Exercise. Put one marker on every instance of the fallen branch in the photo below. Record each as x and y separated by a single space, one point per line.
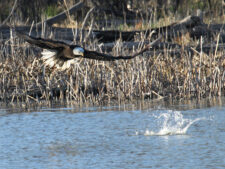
62 15
131 45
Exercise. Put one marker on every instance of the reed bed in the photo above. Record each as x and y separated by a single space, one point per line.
23 77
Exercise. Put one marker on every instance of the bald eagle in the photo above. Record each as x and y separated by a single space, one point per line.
60 54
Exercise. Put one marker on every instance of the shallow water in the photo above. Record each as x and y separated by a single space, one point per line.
155 135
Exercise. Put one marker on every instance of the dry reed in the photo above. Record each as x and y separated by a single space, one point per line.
24 77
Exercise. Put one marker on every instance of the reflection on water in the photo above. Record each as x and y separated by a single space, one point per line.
135 105
134 135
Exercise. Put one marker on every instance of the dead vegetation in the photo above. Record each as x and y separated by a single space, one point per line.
159 75
188 63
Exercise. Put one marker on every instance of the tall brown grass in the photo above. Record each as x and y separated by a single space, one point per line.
24 77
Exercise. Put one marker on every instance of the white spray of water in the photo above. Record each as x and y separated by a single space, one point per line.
171 123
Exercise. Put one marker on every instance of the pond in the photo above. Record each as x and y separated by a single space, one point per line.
147 134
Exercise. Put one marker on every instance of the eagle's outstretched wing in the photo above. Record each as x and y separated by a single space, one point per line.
42 43
106 57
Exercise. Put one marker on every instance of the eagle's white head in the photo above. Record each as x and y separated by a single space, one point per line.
79 51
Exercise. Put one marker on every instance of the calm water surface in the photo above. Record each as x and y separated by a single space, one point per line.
142 135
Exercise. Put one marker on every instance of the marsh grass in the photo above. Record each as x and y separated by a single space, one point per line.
23 77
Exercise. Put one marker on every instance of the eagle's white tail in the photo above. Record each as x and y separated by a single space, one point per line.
47 54
50 59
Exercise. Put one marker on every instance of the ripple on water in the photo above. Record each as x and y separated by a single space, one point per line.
67 138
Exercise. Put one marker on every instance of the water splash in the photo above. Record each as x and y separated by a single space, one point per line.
171 123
